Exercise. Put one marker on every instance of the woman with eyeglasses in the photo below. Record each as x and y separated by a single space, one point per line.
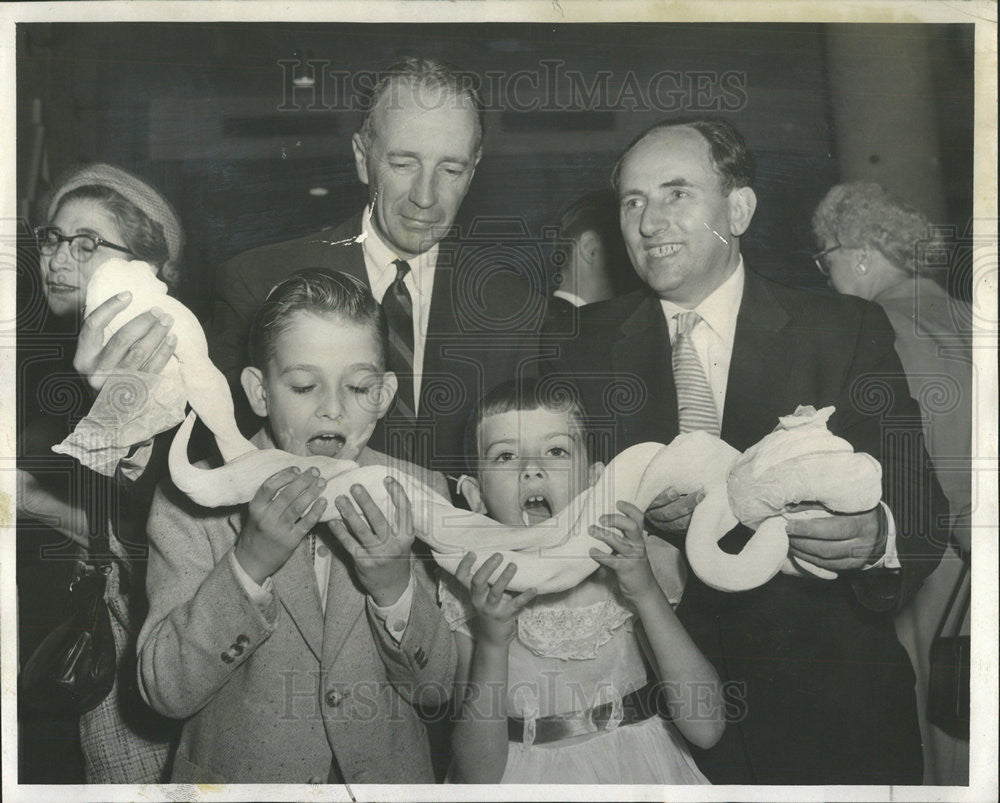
97 213
879 248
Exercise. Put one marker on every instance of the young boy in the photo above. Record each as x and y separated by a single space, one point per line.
297 656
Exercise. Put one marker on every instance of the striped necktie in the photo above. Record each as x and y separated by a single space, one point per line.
398 306
695 403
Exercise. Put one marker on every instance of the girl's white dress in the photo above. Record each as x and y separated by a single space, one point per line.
576 650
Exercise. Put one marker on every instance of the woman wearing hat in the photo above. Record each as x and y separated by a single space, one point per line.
97 213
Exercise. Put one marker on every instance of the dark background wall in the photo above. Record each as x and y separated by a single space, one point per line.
204 111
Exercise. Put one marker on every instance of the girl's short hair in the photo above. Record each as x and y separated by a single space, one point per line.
143 236
321 292
523 395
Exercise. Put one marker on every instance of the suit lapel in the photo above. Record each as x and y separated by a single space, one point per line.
760 363
442 325
295 584
344 605
347 258
643 355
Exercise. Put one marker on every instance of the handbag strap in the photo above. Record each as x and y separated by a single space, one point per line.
99 506
959 586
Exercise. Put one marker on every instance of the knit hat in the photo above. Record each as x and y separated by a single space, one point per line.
138 192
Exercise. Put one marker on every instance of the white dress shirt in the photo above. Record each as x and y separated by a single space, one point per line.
713 339
393 617
572 298
379 259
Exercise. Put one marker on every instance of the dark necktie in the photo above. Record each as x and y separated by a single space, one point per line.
398 306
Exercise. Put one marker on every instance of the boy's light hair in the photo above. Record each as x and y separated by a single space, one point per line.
521 395
321 292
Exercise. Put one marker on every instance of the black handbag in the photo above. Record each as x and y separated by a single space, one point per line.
948 687
73 669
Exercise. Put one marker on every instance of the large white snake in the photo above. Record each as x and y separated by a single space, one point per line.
801 461
205 388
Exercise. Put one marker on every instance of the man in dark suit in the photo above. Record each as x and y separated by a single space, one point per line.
595 250
590 264
820 690
459 324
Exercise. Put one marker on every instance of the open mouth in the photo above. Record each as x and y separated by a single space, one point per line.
327 444
536 508
55 287
666 250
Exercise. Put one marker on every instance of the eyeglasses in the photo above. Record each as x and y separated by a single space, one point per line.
820 259
81 246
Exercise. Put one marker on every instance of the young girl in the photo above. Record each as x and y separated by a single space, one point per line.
295 653
557 690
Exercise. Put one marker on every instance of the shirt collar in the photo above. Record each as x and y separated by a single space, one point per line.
572 298
381 256
720 309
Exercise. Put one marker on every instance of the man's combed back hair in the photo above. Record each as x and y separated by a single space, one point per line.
863 213
598 212
731 158
320 292
421 74
522 395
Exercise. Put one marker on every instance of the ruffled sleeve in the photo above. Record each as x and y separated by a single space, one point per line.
455 604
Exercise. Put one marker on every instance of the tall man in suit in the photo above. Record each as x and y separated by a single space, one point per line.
459 323
821 691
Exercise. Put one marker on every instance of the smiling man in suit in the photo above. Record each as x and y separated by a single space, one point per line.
821 690
459 324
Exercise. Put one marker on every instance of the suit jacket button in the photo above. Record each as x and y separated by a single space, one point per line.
227 657
242 640
334 698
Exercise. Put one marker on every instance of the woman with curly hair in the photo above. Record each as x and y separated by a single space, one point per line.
873 246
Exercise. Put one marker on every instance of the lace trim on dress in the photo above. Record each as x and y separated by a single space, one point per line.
548 629
570 633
